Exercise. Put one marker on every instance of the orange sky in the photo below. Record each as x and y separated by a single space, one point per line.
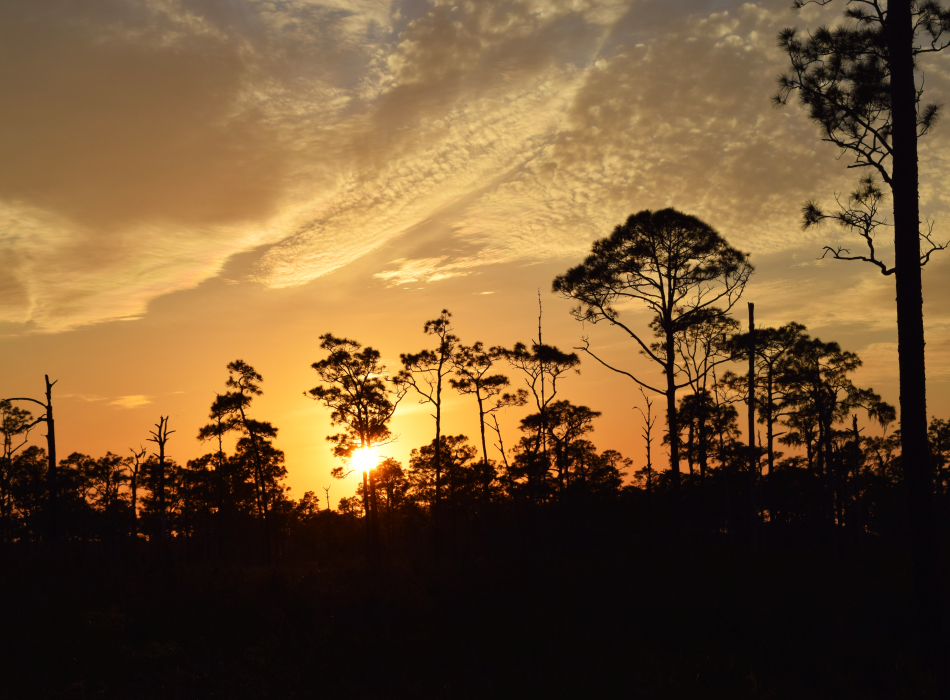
188 183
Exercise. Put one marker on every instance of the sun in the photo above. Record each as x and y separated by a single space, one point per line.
364 458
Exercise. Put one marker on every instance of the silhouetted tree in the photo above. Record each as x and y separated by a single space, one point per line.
473 365
160 438
229 413
350 505
567 424
772 346
700 348
676 265
858 82
815 379
506 400
939 435
135 466
461 480
52 514
28 491
647 474
353 388
425 372
107 478
223 420
15 426
542 366
393 485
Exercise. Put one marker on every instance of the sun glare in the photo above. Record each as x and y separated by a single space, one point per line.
364 458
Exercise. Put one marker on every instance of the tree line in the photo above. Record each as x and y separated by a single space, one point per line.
822 458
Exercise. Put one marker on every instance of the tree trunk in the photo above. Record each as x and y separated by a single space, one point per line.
690 437
857 481
135 518
703 442
437 505
161 492
671 419
918 477
486 486
770 487
367 518
4 490
830 479
753 457
51 485
374 509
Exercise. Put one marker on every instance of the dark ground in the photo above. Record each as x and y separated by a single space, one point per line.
703 622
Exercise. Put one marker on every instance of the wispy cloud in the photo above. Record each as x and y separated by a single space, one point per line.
131 401
91 398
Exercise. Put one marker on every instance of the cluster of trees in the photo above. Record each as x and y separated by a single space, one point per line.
220 502
814 470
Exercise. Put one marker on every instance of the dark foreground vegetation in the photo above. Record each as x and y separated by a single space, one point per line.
615 618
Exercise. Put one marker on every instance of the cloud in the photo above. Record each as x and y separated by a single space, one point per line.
132 401
91 398
147 143
424 270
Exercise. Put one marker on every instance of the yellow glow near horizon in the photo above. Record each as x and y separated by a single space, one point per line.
364 459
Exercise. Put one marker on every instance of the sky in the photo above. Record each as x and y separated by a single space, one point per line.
188 182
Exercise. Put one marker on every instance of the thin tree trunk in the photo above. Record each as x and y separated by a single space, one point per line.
367 517
690 436
671 420
437 506
161 492
135 516
374 508
51 484
753 457
703 442
857 480
481 424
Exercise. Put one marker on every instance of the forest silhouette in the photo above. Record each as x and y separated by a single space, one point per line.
801 554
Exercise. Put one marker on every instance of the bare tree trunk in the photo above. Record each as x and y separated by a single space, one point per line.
160 438
374 509
486 485
703 441
830 479
856 460
366 514
437 506
648 435
770 486
690 437
134 485
5 501
51 485
753 457
504 457
671 420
